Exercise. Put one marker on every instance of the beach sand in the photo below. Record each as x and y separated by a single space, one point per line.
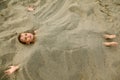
69 44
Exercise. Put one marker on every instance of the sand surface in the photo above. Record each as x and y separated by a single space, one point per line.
69 43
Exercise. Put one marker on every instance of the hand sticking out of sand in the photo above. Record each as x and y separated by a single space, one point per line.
11 70
30 8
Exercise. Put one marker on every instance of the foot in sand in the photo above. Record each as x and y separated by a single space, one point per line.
109 44
11 70
112 36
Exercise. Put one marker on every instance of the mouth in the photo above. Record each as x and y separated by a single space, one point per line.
30 36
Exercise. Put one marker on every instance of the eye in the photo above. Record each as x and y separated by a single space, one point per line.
25 38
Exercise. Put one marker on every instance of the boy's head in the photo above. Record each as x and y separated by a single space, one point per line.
26 37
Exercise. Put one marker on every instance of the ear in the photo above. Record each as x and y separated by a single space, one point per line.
35 32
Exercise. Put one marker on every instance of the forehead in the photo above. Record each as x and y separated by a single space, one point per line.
22 36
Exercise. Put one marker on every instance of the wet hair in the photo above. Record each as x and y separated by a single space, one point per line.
32 32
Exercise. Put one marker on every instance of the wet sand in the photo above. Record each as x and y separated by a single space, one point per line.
69 43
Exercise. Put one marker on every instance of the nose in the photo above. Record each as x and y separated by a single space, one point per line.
26 37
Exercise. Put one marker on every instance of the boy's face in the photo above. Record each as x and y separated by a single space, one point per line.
26 37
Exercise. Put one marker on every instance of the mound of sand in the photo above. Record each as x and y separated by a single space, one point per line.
69 43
